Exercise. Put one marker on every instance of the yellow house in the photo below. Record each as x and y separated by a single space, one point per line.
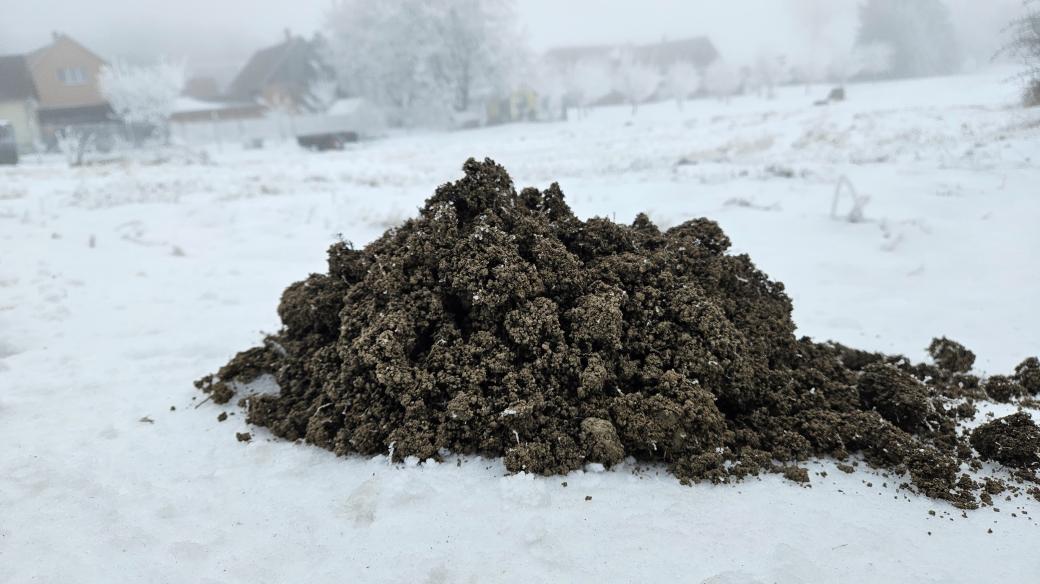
65 74
19 102
51 88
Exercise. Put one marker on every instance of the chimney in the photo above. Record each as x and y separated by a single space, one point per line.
288 34
55 35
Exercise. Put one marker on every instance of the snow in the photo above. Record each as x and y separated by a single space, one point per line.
120 284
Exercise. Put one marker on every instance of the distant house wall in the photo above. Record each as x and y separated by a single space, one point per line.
66 75
22 115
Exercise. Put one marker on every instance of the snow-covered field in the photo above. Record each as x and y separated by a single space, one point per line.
122 283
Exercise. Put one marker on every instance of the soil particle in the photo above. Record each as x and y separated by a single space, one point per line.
223 416
243 436
796 474
498 323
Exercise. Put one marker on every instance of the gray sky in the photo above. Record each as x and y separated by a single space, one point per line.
219 34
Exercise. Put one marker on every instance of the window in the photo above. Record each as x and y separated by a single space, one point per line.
72 76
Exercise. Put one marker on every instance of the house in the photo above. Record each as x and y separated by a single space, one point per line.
65 76
18 101
283 76
51 88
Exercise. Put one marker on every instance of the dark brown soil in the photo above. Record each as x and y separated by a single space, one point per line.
1012 441
498 323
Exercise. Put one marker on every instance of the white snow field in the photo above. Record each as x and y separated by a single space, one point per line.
122 283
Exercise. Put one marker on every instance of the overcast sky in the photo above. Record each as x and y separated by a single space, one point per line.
219 34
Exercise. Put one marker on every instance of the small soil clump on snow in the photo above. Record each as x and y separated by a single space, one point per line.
498 323
1012 441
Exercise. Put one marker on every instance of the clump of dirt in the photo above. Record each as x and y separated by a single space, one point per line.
1012 441
1028 375
1001 388
951 356
498 323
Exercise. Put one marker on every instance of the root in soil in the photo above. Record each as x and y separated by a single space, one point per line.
498 323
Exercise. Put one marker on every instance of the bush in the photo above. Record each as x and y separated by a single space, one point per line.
1024 44
1031 95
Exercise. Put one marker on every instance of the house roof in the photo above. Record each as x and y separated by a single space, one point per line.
700 51
15 80
287 63
33 57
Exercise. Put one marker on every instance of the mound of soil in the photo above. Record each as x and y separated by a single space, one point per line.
498 323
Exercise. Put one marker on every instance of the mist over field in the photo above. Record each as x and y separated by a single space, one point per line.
220 33
276 303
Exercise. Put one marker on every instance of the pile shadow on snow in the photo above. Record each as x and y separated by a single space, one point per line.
498 323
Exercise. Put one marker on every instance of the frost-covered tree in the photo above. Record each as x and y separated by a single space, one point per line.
634 81
143 95
920 34
380 51
477 47
422 59
681 80
1024 44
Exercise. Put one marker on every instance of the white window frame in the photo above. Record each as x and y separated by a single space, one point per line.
72 75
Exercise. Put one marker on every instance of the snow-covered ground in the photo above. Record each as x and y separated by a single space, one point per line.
122 283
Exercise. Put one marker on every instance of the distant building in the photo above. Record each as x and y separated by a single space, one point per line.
202 87
18 101
283 75
699 52
567 62
51 88
65 74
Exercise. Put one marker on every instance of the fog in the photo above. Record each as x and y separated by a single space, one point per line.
215 37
